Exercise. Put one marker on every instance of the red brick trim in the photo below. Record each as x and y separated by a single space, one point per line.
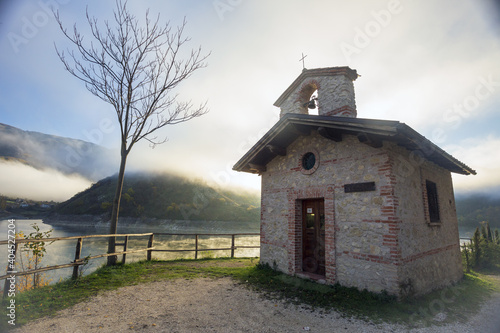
415 257
368 257
424 176
344 111
308 73
304 94
295 197
385 260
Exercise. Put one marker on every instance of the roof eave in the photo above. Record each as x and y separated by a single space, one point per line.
385 130
419 143
243 163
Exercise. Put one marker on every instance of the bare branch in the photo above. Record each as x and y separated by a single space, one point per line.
136 69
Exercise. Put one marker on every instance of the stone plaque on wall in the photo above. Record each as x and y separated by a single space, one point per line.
359 187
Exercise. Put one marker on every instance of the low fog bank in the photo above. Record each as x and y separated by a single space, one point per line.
488 193
479 155
66 155
21 181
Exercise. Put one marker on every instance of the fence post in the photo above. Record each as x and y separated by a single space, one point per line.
232 246
150 244
195 247
13 269
125 244
78 253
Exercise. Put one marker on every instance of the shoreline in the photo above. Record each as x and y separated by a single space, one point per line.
101 222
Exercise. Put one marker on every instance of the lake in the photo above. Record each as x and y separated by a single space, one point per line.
61 252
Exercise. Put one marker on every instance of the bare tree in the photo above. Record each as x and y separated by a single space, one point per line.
135 68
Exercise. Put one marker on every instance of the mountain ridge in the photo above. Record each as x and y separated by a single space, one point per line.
164 196
46 151
474 209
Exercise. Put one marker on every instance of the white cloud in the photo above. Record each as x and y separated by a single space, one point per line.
481 154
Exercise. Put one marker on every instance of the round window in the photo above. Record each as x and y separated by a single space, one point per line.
308 161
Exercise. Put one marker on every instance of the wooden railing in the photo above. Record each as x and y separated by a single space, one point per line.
149 248
197 249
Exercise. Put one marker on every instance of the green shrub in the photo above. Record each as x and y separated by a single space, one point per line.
483 252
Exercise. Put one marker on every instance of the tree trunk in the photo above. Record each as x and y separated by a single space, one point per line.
116 206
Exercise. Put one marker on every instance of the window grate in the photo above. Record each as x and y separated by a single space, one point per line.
432 201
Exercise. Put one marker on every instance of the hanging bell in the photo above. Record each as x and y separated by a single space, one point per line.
311 105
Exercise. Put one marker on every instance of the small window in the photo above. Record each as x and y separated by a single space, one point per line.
432 201
308 161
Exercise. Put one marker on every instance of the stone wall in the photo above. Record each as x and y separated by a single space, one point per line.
430 253
356 233
376 240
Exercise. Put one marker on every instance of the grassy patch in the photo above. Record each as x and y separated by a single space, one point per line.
46 301
450 304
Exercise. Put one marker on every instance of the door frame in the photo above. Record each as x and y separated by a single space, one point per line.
313 236
295 197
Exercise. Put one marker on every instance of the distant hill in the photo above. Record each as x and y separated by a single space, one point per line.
472 210
164 196
44 151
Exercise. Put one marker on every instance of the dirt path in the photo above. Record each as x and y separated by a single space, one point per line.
219 305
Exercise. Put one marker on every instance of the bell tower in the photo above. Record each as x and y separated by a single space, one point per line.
335 90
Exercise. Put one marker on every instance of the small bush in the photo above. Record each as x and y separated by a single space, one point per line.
483 252
30 258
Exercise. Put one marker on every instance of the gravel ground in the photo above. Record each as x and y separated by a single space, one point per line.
221 305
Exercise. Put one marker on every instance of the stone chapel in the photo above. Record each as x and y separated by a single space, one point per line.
365 203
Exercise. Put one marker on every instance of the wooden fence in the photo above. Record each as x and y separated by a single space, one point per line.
149 249
196 242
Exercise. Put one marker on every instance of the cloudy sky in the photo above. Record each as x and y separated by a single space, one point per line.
434 65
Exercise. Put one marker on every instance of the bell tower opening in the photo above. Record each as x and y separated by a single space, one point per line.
308 98
312 105
321 91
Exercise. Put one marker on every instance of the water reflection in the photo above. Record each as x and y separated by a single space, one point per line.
61 252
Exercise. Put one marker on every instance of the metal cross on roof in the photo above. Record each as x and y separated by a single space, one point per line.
302 59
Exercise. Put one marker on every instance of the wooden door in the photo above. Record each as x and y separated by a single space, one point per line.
313 236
